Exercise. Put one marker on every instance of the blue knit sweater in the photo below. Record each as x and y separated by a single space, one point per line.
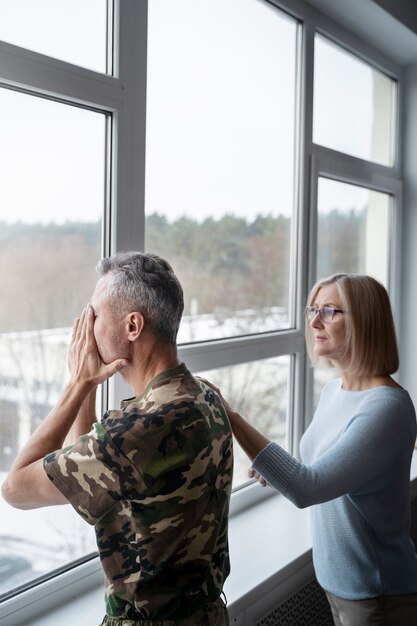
355 475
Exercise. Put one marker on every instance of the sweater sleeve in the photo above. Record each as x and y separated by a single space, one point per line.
356 463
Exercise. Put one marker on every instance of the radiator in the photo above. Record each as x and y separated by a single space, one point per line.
307 607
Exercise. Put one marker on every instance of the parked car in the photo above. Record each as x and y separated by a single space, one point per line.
14 571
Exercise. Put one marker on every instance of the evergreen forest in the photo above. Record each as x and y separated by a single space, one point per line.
226 265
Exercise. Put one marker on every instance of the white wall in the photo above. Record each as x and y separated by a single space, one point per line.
408 337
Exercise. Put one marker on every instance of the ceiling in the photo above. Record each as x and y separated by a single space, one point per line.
374 24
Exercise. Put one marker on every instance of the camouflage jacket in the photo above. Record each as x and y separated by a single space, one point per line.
155 480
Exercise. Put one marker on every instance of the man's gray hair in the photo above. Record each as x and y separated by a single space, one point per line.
145 283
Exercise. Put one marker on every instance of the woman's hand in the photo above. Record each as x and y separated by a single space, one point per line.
258 477
230 412
250 439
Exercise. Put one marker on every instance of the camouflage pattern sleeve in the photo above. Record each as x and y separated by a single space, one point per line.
91 472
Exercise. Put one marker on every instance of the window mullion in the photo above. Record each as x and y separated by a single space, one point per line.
128 199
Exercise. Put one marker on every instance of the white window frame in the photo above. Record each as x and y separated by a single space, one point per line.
341 167
123 98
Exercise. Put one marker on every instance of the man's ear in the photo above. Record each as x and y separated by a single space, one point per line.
135 325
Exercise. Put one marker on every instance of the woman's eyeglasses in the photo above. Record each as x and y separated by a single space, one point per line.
325 313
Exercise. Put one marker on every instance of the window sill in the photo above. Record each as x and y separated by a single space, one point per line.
270 547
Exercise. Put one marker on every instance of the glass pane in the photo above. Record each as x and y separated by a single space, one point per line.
71 30
353 236
258 391
52 168
354 105
220 159
353 230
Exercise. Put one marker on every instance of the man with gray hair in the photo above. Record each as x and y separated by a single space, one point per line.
154 478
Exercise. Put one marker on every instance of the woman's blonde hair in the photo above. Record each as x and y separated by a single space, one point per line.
371 344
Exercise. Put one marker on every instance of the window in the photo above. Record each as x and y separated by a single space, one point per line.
66 137
221 136
52 207
353 230
355 206
258 390
353 235
264 170
354 104
50 27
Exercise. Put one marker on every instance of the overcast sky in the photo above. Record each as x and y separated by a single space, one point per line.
221 94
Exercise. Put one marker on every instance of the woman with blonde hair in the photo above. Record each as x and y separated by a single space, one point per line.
356 457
